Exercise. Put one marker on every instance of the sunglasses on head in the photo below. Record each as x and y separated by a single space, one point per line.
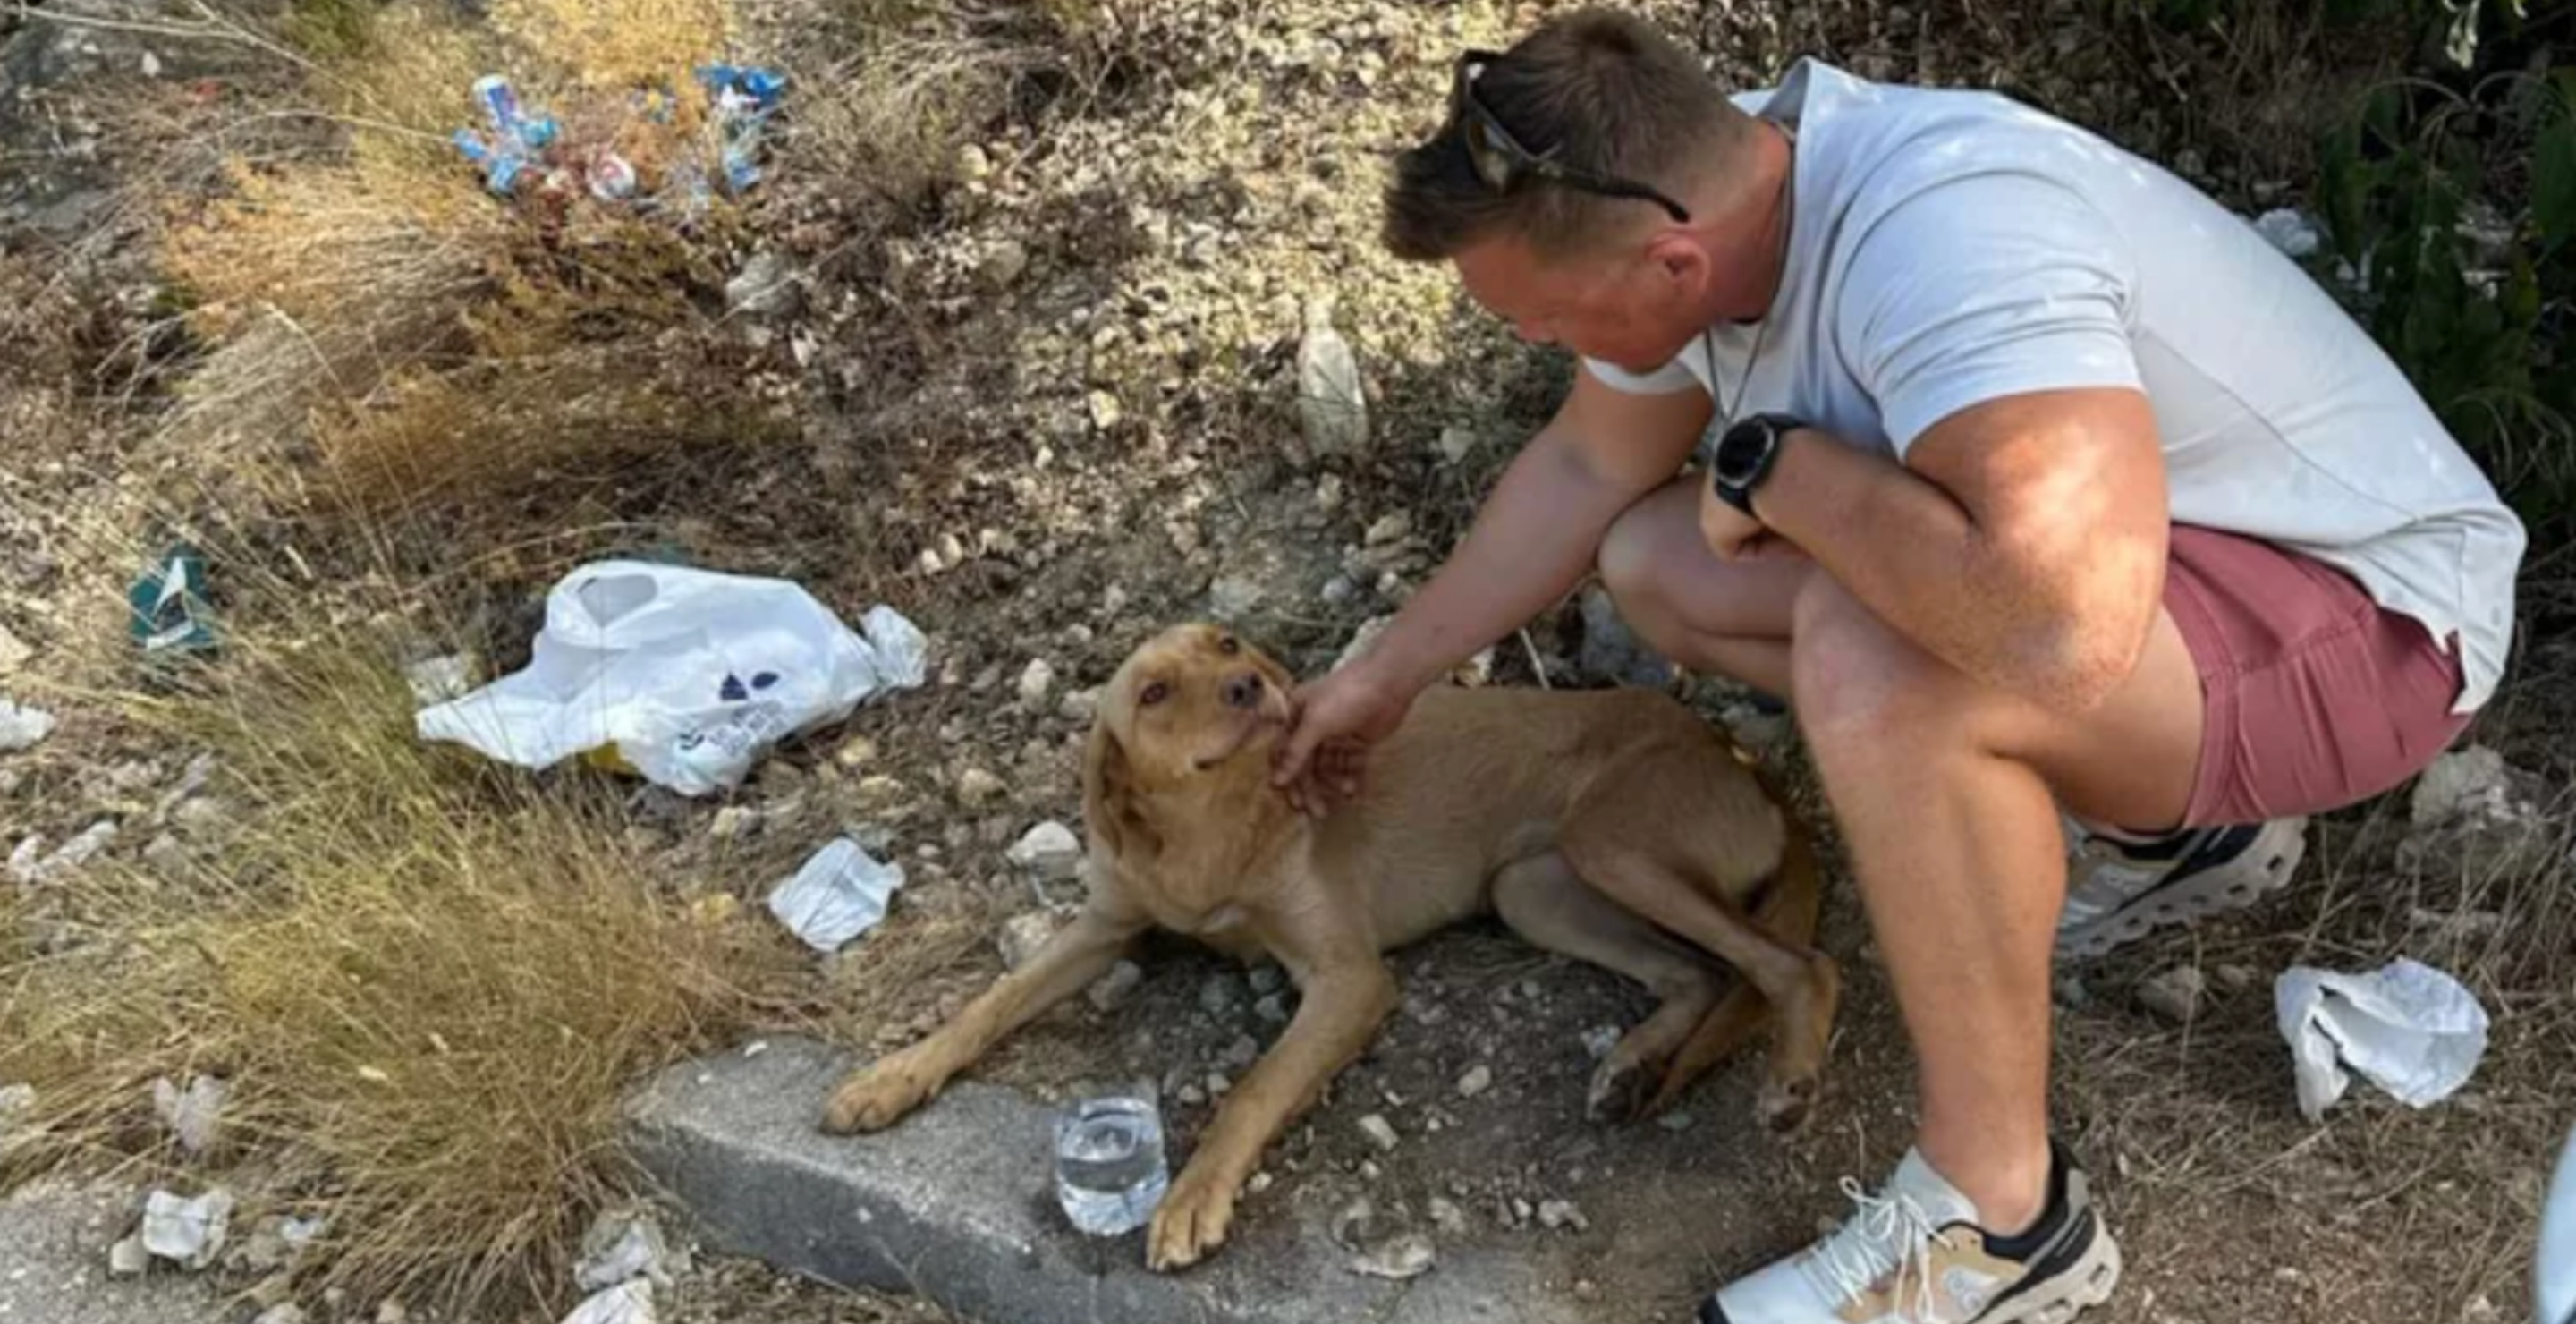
1502 163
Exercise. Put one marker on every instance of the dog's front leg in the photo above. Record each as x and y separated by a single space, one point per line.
892 1086
1342 1008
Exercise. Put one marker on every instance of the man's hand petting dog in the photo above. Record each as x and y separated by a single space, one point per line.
1322 758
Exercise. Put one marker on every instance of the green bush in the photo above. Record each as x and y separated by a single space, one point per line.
2450 208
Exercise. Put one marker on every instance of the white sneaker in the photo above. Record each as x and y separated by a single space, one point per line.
1914 1254
2117 892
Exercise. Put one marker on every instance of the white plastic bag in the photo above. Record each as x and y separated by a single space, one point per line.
689 676
627 1303
839 894
2409 1028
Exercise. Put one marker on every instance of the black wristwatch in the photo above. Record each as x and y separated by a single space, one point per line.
1745 455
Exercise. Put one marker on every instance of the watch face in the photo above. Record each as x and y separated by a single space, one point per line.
1742 450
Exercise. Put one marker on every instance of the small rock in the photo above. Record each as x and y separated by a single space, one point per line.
2471 781
1380 1132
1049 850
436 680
1406 1256
1219 1085
1332 403
1555 1215
1079 706
1676 1121
734 822
1192 1094
1521 1211
393 1312
1233 597
1037 684
1389 528
1612 652
1457 443
128 1258
22 727
2072 994
2175 994
1004 263
1266 979
1356 1224
1220 995
973 163
2238 978
1023 934
1111 991
1105 410
856 752
27 862
1242 1053
765 287
1599 1040
977 788
1448 1217
1272 1009
167 857
1479 1078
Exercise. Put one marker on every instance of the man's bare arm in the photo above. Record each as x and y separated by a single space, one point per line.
1536 536
2024 541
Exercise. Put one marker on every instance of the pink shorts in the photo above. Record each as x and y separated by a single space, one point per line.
2314 698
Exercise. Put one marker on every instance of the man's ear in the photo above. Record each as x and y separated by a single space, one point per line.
1111 808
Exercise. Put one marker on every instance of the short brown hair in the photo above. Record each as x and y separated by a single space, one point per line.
1605 91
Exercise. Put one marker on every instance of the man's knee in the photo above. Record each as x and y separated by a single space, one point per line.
1863 687
1631 559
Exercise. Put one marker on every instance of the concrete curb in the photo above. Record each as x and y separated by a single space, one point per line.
956 1204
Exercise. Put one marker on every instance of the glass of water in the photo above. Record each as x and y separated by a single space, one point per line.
1110 1172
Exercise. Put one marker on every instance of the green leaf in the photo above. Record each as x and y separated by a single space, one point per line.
2553 183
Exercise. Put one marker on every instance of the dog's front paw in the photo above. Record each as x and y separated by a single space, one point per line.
1191 1221
879 1095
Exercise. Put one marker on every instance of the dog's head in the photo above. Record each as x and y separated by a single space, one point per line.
1192 714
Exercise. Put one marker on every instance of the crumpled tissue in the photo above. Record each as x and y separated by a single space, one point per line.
2408 1028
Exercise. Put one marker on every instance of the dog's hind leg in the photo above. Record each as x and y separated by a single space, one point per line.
1800 983
1544 901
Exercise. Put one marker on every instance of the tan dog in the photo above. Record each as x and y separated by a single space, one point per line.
1613 826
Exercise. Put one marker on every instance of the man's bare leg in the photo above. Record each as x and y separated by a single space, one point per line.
1943 790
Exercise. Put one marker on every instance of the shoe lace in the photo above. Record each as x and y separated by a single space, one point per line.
1886 1235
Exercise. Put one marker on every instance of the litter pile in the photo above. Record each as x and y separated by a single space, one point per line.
654 149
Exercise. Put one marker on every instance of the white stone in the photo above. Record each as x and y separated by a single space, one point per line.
1049 850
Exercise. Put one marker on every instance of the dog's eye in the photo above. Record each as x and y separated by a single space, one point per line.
1229 646
1154 694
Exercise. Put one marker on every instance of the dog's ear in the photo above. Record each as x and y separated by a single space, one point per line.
1110 805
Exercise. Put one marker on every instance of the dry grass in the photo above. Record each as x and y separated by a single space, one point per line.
428 983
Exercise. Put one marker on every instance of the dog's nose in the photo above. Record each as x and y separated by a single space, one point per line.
1243 691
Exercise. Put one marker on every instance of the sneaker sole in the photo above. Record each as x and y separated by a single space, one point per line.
2265 867
2080 1286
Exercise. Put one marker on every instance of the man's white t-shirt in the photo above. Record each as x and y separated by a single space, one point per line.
1948 247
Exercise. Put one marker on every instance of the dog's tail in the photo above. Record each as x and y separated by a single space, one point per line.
1788 911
